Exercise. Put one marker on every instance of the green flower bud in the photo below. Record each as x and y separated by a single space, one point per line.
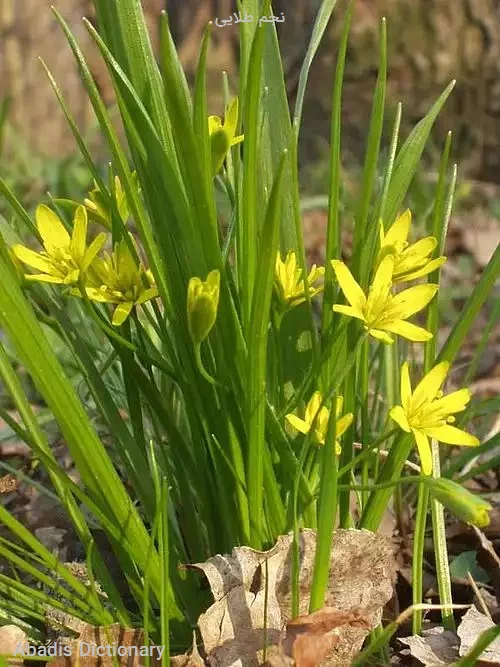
202 303
223 135
465 505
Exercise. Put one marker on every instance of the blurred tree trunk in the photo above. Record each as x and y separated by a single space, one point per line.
431 42
28 30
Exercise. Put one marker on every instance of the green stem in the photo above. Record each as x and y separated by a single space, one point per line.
379 500
418 556
201 368
365 417
441 549
305 446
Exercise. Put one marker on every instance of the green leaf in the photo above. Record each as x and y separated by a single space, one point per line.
409 156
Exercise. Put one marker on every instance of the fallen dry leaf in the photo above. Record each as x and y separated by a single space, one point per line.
191 659
488 559
362 572
482 241
310 639
101 647
10 637
437 646
473 624
8 483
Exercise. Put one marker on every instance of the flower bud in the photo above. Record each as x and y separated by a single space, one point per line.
202 303
465 505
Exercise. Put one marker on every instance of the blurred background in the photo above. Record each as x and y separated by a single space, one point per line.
430 43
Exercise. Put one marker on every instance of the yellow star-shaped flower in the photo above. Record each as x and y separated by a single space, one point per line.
381 311
321 425
289 284
117 279
411 260
64 257
426 413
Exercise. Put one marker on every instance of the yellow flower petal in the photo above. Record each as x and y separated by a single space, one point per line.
99 295
231 119
452 403
52 231
92 250
430 384
419 250
214 124
408 330
382 281
297 423
349 310
44 278
381 335
122 311
398 415
424 271
424 451
339 403
148 294
452 436
352 291
405 385
398 232
34 259
411 300
343 424
313 407
79 237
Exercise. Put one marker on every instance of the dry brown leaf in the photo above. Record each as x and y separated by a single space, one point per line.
310 639
473 624
488 559
191 659
95 648
482 242
10 638
8 483
362 572
436 647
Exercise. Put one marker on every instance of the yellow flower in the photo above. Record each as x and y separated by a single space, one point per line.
65 257
304 425
428 414
381 311
411 261
202 304
223 135
117 279
288 283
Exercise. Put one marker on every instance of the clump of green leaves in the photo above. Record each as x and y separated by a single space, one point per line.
197 345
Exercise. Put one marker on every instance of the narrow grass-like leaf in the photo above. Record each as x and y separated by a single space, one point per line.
408 157
320 26
333 227
257 357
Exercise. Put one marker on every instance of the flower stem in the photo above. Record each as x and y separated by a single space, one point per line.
201 368
441 549
418 555
378 500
